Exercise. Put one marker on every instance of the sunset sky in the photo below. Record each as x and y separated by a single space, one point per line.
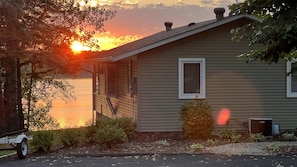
139 18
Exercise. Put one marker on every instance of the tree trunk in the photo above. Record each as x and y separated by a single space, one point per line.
2 114
13 115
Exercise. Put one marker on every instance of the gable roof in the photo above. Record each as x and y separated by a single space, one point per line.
162 38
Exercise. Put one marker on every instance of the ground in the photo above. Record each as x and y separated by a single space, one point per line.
160 143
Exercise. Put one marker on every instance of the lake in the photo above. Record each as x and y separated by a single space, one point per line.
78 112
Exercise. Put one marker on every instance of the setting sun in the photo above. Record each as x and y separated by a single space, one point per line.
78 47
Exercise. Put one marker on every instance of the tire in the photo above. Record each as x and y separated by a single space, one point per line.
22 149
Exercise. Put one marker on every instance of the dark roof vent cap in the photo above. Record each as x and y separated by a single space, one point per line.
219 13
168 25
191 24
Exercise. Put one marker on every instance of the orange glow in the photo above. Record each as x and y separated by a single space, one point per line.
223 116
108 41
75 113
78 47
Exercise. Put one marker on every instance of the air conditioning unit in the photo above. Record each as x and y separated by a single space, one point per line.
261 125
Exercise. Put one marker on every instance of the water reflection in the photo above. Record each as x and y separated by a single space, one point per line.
77 112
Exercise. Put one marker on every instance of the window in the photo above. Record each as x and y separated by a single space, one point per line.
291 79
111 80
191 78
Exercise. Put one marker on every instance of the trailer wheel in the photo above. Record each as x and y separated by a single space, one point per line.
22 149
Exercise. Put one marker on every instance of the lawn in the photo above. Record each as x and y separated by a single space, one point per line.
6 152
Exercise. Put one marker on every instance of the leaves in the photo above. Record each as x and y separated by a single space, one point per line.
38 34
43 30
277 32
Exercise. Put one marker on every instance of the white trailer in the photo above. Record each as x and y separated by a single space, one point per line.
18 141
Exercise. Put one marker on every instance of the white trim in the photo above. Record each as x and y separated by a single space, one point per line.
180 36
290 94
181 94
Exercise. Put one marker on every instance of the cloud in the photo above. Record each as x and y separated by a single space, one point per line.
134 20
150 18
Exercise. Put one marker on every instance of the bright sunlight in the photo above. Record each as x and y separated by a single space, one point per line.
78 47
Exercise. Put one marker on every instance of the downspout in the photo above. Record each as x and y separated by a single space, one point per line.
93 93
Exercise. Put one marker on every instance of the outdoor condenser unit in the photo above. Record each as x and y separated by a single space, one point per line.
261 125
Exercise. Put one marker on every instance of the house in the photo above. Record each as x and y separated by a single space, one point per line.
151 78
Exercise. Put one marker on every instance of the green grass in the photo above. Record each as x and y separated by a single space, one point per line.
6 152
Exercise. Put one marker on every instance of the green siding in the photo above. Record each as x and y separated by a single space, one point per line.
248 90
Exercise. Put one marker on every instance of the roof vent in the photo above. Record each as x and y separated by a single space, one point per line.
191 24
168 26
219 13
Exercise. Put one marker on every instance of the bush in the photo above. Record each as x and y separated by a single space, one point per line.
197 147
230 135
128 125
72 136
109 132
197 120
257 137
212 142
110 135
274 148
289 136
43 141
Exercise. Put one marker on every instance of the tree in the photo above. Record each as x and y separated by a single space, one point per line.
38 34
276 33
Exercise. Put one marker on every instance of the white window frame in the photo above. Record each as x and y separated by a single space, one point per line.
290 94
181 94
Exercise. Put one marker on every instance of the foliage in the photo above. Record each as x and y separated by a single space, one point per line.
212 142
38 95
110 135
289 136
274 148
276 32
230 135
42 141
257 137
36 35
127 124
72 136
197 147
110 132
197 120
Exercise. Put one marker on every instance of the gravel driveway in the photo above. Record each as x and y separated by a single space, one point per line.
259 148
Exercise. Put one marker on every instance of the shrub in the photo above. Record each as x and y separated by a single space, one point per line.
43 141
230 135
289 136
257 137
273 148
72 136
197 147
212 142
110 135
197 120
128 125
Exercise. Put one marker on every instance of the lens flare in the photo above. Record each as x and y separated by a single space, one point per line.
223 116
78 47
